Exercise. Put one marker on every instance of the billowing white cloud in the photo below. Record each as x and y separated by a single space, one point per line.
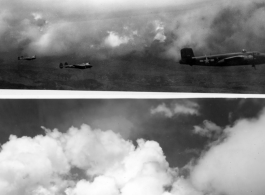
94 151
102 185
42 165
146 161
114 40
236 165
143 170
27 163
186 107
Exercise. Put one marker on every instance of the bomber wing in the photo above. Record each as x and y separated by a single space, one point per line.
233 58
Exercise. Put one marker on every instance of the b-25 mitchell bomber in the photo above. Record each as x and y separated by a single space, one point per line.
78 66
26 58
227 59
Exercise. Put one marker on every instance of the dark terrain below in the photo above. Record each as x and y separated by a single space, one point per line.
151 75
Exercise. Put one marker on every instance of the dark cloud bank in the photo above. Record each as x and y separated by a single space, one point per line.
114 28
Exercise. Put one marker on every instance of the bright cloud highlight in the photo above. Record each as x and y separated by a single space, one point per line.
178 108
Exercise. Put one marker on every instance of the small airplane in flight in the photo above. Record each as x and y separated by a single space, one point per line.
78 66
27 58
227 59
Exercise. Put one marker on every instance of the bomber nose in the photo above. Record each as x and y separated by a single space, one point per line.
261 58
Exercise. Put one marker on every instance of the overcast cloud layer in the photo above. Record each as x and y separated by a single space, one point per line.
111 165
115 28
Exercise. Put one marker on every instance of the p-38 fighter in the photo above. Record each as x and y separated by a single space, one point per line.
78 66
26 58
227 59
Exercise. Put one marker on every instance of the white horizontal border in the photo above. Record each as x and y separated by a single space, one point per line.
61 94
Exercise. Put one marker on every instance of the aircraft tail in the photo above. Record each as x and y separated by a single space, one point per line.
186 55
61 65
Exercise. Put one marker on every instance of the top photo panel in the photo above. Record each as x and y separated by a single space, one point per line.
194 46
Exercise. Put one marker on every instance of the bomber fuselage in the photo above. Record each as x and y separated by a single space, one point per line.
228 59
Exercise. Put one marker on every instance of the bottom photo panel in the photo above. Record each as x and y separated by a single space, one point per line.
204 146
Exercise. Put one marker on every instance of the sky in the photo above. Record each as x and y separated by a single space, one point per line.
114 28
132 146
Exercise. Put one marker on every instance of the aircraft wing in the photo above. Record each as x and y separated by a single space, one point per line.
239 57
79 64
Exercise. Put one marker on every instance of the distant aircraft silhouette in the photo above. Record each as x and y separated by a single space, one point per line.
26 58
78 66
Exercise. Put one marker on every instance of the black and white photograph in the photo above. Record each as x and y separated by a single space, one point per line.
188 146
191 46
132 97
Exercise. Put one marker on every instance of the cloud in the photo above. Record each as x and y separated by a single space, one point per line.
114 40
93 151
208 129
26 163
162 109
221 26
82 27
143 170
186 107
112 28
101 186
160 31
118 124
184 187
234 166
43 165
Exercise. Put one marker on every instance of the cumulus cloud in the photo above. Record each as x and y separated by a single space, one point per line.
162 109
114 40
42 165
94 151
234 166
28 163
101 186
208 129
186 107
